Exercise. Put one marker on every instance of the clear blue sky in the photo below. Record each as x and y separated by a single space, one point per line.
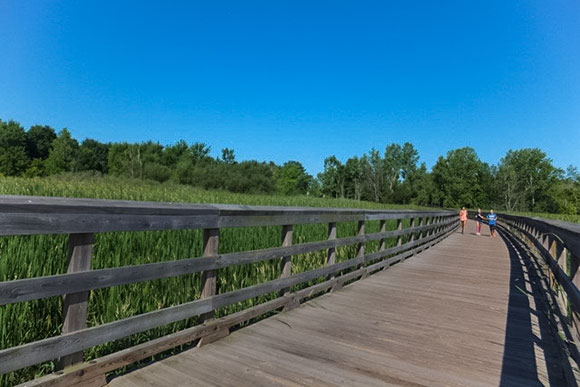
299 80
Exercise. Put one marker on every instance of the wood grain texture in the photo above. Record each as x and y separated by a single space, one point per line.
26 215
450 316
75 305
211 240
286 261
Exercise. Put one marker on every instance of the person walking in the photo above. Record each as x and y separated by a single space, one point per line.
491 221
479 219
463 218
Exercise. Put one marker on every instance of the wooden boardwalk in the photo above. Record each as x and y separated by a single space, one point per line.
466 312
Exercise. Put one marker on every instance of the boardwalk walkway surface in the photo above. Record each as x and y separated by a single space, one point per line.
455 315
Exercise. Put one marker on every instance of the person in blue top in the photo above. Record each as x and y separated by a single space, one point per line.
491 221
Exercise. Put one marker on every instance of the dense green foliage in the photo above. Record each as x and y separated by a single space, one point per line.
523 180
41 152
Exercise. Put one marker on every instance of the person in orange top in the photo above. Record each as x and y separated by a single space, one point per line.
463 218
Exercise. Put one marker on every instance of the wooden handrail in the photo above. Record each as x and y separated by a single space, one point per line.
82 218
558 244
28 215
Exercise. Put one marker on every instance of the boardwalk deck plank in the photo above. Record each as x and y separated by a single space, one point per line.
450 316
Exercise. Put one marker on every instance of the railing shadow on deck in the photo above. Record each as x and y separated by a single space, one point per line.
527 304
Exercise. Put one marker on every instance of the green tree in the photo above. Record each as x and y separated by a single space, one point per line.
392 166
421 186
408 159
526 177
228 156
375 172
199 151
292 179
63 154
458 179
172 154
142 161
93 156
13 157
333 178
39 141
354 173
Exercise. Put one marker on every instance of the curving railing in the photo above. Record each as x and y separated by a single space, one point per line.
558 243
82 218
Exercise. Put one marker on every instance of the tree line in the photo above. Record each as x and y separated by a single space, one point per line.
523 180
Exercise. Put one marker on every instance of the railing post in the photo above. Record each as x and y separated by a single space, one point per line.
331 254
560 254
421 222
428 221
547 242
286 262
575 278
412 238
75 305
211 240
383 228
382 242
399 228
361 245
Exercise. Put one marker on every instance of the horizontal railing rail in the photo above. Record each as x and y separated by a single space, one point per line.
28 215
83 218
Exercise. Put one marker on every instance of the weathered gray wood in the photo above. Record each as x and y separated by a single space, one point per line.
29 224
421 223
108 363
382 229
75 305
38 215
399 228
211 238
360 250
361 232
412 238
286 261
40 287
568 232
428 221
331 254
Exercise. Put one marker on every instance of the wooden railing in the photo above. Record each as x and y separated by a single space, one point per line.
82 218
558 243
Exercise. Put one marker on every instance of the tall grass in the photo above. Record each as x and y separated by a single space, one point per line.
43 255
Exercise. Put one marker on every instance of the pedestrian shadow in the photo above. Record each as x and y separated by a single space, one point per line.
529 327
